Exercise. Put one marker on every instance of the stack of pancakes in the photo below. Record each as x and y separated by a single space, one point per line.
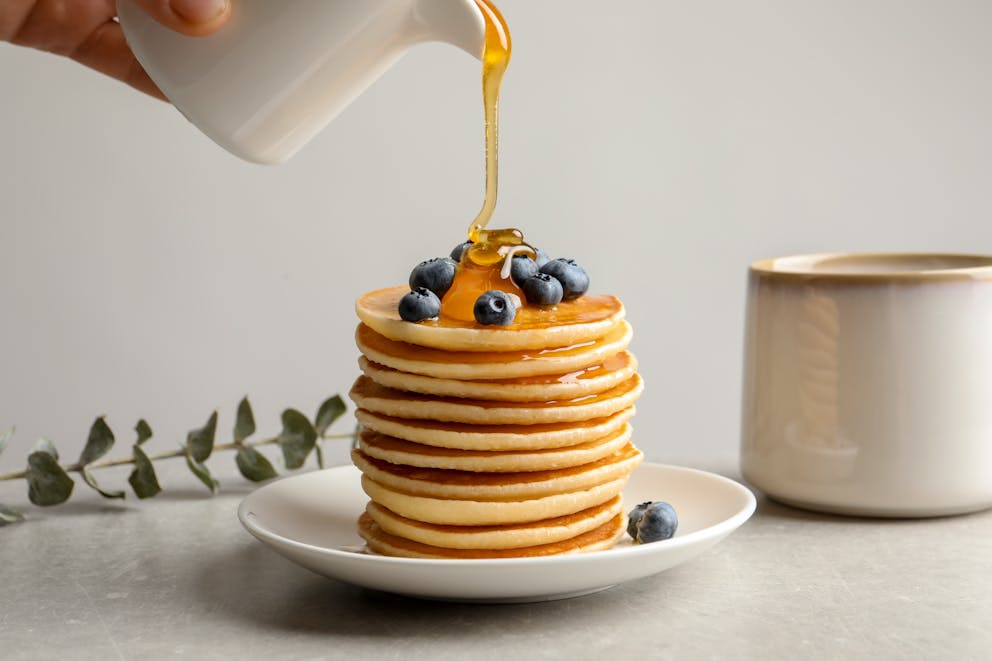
482 442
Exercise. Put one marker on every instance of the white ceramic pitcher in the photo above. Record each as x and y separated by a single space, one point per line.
280 70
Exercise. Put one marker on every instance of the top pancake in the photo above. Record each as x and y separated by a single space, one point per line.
570 322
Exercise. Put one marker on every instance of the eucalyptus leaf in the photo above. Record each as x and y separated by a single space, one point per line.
201 472
144 431
297 439
48 483
320 455
143 479
46 446
91 481
253 464
200 442
99 442
5 438
329 411
9 515
244 424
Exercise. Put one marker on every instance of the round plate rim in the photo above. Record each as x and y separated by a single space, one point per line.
716 530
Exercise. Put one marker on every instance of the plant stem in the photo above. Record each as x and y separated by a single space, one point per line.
124 461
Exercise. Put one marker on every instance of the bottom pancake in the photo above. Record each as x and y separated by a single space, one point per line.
598 539
547 531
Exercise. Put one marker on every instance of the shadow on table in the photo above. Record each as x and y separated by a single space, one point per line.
257 586
772 509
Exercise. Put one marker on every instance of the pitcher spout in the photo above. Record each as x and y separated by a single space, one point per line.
457 22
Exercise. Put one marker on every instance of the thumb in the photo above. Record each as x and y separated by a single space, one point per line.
190 17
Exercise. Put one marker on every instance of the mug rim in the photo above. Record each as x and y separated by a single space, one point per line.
972 266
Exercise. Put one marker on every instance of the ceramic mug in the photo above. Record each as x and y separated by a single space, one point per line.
868 383
280 70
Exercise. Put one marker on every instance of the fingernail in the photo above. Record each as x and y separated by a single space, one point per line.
198 11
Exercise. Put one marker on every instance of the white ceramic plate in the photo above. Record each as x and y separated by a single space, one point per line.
311 519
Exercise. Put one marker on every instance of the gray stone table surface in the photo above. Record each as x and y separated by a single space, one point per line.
179 577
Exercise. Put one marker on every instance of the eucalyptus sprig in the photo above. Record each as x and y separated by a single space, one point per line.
49 482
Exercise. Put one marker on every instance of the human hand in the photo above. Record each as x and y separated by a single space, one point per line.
87 30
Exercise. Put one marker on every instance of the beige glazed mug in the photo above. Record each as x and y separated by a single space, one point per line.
868 383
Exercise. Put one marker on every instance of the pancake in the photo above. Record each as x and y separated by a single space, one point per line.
570 322
478 364
395 403
396 451
377 539
522 485
547 531
447 511
494 437
484 441
579 383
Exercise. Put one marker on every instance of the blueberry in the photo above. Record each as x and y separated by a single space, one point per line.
541 258
419 304
542 289
521 268
573 278
652 522
459 250
435 274
495 308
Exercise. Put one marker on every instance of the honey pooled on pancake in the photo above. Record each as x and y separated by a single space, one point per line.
496 394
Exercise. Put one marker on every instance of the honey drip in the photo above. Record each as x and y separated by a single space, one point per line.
471 280
479 270
495 59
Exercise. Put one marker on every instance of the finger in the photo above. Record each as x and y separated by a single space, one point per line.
13 15
106 51
195 18
58 27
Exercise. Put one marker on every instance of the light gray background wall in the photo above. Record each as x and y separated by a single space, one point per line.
145 272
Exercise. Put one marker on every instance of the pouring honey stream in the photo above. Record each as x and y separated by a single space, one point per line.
479 270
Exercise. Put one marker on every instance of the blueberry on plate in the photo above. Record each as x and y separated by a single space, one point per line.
521 268
542 289
459 250
419 304
652 522
495 308
435 274
573 278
